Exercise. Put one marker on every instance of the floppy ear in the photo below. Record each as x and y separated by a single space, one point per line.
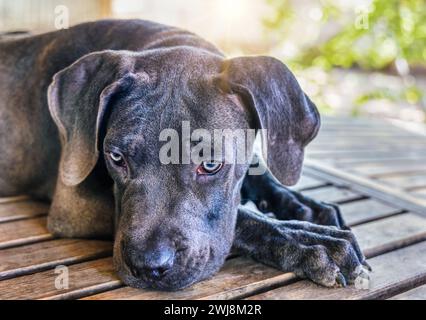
273 95
78 100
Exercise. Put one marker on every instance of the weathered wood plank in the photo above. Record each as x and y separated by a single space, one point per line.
418 293
366 210
365 186
419 191
371 138
84 279
366 129
346 121
324 154
405 181
393 272
238 278
379 170
387 136
48 254
23 232
366 134
13 199
10 211
389 161
345 158
332 194
351 144
307 182
391 233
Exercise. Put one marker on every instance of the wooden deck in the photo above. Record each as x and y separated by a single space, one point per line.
376 174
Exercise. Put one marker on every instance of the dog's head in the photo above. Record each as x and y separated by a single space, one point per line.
174 223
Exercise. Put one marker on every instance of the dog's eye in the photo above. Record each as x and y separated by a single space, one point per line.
209 167
117 159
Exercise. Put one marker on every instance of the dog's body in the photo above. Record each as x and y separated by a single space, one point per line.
27 67
88 141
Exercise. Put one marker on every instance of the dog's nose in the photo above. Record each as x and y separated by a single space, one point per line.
152 263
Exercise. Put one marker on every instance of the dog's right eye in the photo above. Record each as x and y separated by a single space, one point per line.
117 159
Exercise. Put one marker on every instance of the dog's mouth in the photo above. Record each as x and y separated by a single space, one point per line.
187 270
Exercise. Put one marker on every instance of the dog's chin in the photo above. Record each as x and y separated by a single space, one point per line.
163 284
180 278
170 282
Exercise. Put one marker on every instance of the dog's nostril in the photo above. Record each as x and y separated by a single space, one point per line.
154 273
151 264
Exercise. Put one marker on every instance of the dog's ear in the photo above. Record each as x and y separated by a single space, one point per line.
278 104
78 101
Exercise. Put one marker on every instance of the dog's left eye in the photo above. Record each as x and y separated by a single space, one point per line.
209 167
117 159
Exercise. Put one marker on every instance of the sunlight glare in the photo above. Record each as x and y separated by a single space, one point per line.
234 13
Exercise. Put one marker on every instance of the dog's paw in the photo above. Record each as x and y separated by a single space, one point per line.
328 214
287 205
333 264
325 214
326 255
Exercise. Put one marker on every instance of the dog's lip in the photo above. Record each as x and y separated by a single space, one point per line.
164 282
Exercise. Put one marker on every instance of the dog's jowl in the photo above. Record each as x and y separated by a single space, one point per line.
82 113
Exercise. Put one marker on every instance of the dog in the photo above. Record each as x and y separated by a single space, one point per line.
81 112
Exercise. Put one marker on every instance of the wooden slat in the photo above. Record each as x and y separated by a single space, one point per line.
351 144
382 152
324 153
418 293
421 192
332 194
13 199
366 210
365 186
10 211
371 138
23 232
405 181
307 182
348 143
378 170
84 279
238 277
382 161
48 254
367 129
236 280
393 273
391 233
348 157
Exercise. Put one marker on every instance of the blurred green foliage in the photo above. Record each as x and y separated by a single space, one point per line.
386 35
378 35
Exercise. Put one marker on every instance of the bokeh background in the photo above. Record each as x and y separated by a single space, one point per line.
354 57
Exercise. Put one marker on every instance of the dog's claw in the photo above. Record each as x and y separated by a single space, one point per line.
340 279
367 266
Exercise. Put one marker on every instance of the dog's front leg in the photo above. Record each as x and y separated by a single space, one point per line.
83 211
324 254
271 196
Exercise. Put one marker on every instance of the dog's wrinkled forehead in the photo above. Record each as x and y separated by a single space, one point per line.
166 93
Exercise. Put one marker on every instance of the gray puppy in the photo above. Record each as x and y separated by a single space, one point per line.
81 111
